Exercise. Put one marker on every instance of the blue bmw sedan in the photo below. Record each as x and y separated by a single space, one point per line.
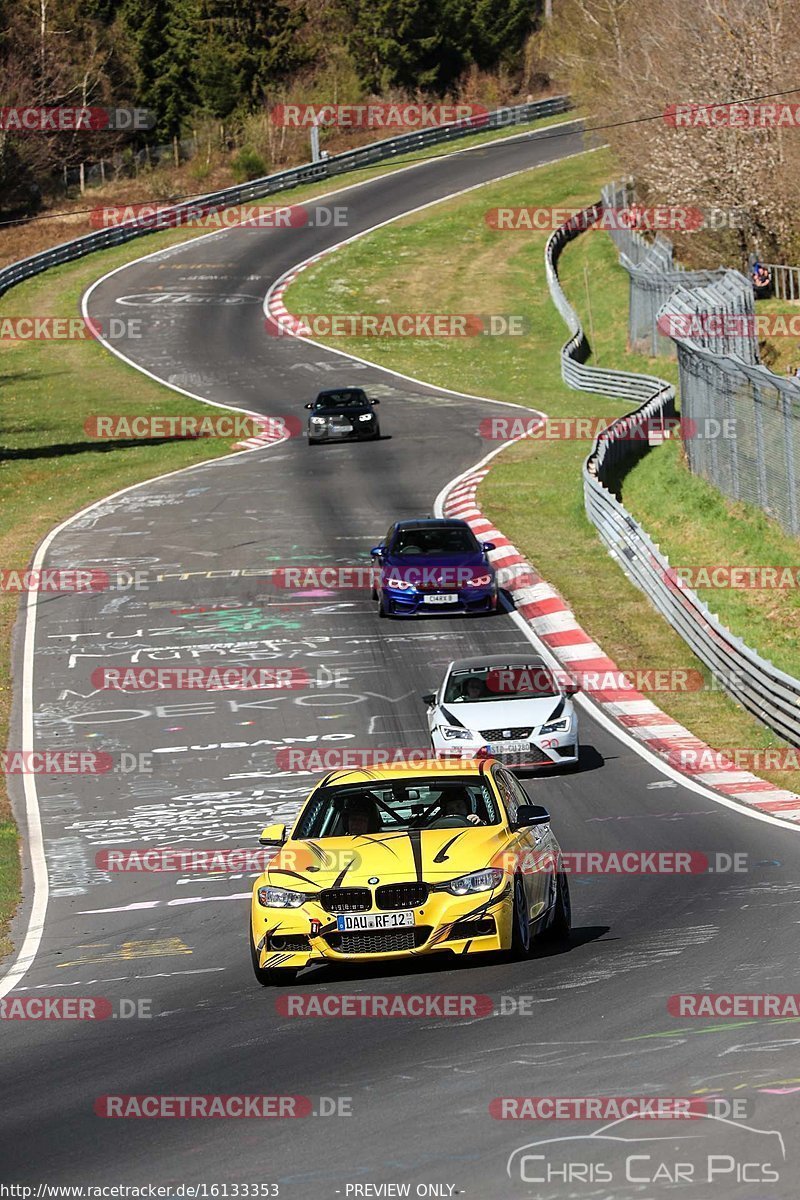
433 566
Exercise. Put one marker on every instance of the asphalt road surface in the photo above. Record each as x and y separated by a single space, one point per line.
409 1097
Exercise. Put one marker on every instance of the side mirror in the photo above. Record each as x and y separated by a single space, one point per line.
273 835
570 687
489 546
429 698
531 814
377 551
374 401
309 406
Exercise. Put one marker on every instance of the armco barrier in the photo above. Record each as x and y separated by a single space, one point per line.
373 152
767 692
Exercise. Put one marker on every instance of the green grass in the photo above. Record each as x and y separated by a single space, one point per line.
440 261
48 466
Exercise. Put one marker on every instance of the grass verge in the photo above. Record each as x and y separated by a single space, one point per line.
534 492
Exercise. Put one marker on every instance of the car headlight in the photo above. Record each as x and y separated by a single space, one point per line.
317 420
396 582
477 881
275 897
556 726
479 581
451 734
366 416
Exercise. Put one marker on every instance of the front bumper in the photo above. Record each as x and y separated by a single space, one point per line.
473 924
555 751
355 433
412 602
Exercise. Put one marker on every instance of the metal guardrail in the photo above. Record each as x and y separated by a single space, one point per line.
771 695
337 164
785 281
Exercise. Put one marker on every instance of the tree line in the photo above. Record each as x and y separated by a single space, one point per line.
226 60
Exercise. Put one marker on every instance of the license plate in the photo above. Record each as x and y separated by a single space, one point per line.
340 428
509 747
442 598
355 922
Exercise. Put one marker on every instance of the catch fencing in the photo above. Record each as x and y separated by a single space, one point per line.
771 695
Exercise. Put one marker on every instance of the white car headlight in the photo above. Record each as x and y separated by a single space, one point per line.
477 881
449 732
317 420
480 580
275 897
365 417
396 582
556 726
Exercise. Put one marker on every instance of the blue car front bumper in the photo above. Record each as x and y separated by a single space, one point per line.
398 602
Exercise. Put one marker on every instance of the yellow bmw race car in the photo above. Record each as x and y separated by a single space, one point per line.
393 862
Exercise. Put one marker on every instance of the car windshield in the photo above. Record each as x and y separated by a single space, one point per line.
396 806
500 683
436 540
349 398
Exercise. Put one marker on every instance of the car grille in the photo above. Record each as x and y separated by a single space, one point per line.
288 941
472 929
346 899
502 735
378 941
534 757
401 895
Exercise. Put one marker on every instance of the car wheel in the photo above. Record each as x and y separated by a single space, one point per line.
376 435
382 611
520 922
313 441
561 920
270 976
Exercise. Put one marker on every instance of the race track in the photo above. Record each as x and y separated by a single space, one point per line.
595 1020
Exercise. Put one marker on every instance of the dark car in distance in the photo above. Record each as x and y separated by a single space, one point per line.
343 414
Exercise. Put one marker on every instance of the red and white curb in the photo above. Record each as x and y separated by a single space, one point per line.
554 623
274 433
277 311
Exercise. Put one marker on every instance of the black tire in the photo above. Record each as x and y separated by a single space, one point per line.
313 441
376 437
271 977
521 939
381 609
560 924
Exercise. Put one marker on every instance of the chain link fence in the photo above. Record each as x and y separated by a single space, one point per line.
771 695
